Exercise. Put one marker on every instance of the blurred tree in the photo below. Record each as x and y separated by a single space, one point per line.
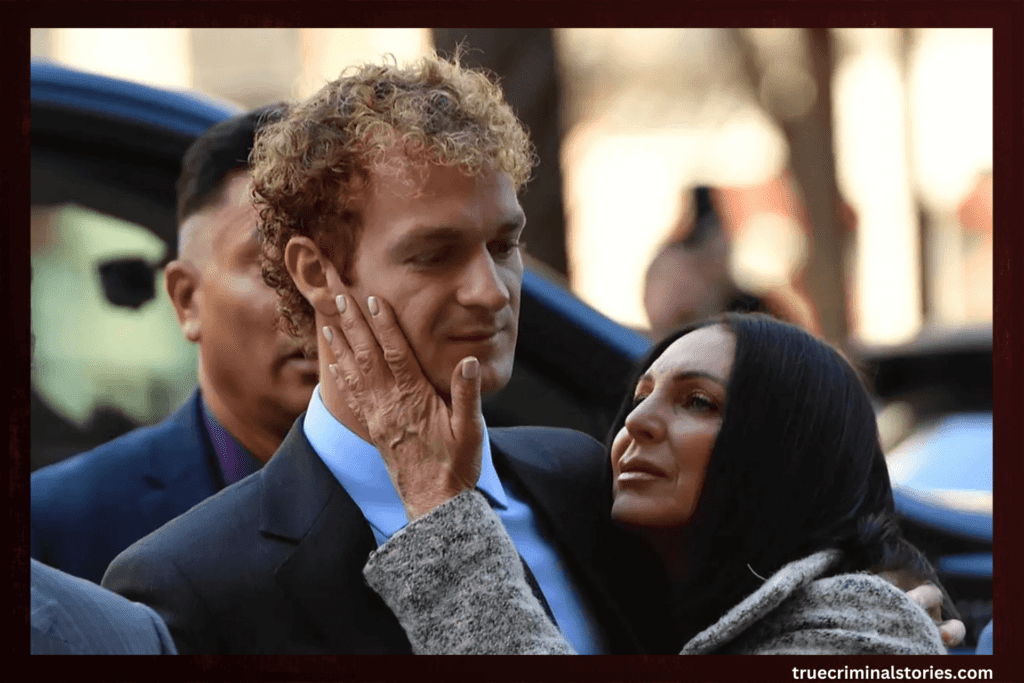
807 126
250 66
524 60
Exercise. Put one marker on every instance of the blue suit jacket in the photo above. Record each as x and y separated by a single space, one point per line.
273 564
72 616
88 508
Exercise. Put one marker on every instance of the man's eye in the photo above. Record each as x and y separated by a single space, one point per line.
504 249
434 257
637 400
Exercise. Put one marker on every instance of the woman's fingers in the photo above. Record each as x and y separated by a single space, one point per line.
395 348
929 597
346 372
365 353
953 632
467 421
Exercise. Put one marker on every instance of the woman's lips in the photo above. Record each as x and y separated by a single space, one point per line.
637 476
639 471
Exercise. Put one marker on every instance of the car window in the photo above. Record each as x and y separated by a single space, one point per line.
108 354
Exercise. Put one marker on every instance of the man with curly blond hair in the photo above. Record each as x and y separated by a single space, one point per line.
392 189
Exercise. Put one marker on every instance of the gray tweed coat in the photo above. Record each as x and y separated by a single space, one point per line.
454 580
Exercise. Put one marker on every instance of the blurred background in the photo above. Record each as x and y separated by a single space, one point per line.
838 178
895 124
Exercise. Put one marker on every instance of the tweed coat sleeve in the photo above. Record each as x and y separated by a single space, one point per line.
454 581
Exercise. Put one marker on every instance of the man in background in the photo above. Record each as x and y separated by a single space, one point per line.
253 378
733 249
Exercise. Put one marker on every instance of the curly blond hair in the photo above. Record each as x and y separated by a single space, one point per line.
308 167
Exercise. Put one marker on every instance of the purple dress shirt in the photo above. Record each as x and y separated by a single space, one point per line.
235 461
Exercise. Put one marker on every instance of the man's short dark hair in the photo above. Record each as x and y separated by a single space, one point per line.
223 149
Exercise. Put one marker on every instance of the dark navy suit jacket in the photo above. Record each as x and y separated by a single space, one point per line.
88 508
273 564
72 616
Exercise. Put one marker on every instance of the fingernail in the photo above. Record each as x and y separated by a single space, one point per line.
328 335
371 304
470 368
334 370
341 303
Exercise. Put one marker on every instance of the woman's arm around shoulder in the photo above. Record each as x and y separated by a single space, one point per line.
845 614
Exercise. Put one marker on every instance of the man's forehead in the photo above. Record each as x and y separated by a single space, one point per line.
409 173
455 220
426 185
454 231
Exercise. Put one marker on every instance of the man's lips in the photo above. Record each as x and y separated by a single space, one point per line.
475 335
298 360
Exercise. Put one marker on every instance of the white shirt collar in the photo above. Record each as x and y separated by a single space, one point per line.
358 467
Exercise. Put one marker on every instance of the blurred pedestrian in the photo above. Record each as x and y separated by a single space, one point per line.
739 249
690 279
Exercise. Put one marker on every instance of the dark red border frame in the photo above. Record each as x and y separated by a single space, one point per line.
1007 18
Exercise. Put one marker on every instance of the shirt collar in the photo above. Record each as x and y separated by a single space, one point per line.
234 459
358 467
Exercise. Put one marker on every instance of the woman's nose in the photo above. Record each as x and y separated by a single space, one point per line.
644 425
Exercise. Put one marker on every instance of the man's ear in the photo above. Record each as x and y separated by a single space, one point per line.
181 279
313 274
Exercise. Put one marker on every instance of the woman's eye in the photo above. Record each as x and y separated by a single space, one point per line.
637 400
700 401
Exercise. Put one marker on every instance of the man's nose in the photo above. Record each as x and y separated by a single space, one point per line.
482 284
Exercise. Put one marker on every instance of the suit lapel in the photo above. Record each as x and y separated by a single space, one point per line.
323 576
178 467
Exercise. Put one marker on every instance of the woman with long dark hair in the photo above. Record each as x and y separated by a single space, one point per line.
745 456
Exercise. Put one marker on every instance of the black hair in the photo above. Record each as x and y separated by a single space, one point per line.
797 467
223 149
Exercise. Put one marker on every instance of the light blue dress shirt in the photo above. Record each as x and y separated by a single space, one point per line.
361 472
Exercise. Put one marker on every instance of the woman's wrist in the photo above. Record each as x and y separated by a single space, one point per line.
424 488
